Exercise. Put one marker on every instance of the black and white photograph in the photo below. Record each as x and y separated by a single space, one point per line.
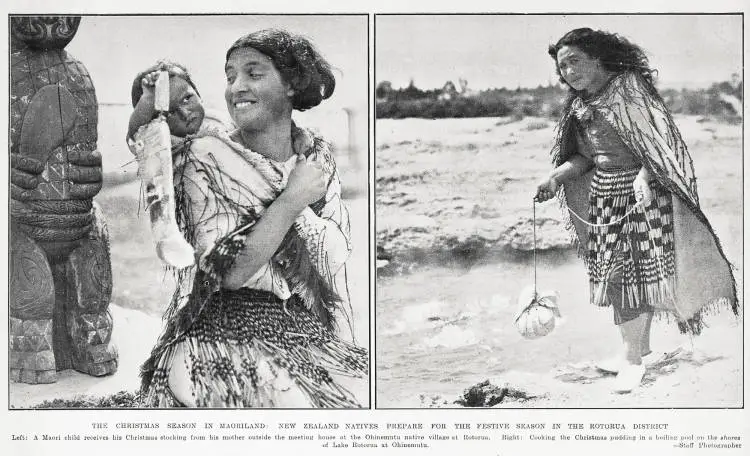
188 211
559 210
424 227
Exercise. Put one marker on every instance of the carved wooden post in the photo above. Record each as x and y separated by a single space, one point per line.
61 276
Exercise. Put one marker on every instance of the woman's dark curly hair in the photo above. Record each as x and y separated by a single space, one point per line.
299 63
615 53
174 70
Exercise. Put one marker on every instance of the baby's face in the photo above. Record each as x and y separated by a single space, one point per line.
185 108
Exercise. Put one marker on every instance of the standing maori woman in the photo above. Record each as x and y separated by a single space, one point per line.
253 325
625 175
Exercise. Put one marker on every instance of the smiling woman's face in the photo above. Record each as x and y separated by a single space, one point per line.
256 93
581 72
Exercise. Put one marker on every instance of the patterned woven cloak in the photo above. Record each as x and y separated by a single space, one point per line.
635 111
306 345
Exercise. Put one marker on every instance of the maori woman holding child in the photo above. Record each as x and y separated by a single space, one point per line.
626 184
254 323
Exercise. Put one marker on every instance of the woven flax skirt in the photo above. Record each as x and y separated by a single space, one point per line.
631 262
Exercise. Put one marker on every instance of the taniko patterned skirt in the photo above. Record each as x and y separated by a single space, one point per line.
243 341
634 256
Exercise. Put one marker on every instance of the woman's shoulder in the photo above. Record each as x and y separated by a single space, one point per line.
616 84
217 121
310 142
201 151
624 89
629 81
210 142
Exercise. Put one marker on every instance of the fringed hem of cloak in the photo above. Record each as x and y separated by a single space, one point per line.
247 388
659 294
694 324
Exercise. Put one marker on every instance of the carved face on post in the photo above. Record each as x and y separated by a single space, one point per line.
45 32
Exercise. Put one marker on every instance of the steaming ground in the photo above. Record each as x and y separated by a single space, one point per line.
453 218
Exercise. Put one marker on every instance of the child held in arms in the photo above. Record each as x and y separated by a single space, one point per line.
154 144
186 114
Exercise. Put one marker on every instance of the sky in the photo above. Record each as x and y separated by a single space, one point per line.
115 48
493 51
